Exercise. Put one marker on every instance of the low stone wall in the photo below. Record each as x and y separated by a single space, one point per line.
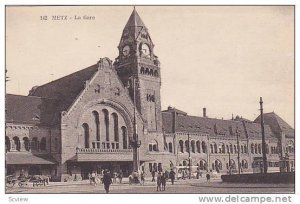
284 177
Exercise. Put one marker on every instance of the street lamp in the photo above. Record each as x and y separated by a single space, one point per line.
238 148
135 142
189 156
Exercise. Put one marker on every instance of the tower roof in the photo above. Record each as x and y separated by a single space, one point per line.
134 20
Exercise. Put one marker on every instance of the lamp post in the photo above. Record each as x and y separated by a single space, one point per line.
135 142
263 137
229 162
190 168
238 148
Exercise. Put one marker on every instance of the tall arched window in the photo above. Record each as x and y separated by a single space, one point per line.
259 148
245 149
252 148
216 148
218 165
235 149
242 149
204 149
97 124
244 164
211 148
170 147
43 144
34 143
231 148
86 133
202 165
142 70
181 146
26 143
124 136
255 148
198 146
187 146
116 127
7 144
193 146
227 147
106 122
17 143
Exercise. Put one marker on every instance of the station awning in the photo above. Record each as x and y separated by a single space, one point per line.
28 158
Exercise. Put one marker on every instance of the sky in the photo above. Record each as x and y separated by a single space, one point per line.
221 58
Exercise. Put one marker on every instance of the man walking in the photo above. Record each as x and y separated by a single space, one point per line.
172 176
153 176
107 180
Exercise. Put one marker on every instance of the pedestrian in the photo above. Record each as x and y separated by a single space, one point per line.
163 181
107 181
120 176
142 178
115 177
158 187
93 177
130 178
153 176
207 177
172 176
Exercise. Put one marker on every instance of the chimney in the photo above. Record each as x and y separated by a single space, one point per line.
204 112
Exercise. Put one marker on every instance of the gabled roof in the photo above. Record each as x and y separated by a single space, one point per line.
66 89
277 124
213 127
30 110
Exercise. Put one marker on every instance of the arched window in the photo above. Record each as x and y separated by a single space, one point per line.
187 146
242 149
142 71
218 165
255 148
216 148
184 163
181 146
211 148
245 149
151 72
193 146
204 149
222 148
252 148
86 133
26 143
198 147
244 164
153 146
147 71
170 147
97 123
34 143
231 148
232 164
116 127
227 148
235 150
267 149
106 123
259 148
7 144
43 144
155 73
124 136
202 165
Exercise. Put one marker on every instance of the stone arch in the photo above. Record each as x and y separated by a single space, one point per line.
43 144
181 146
115 126
34 143
97 124
204 147
198 146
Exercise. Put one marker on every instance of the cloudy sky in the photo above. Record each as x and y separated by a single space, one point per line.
221 58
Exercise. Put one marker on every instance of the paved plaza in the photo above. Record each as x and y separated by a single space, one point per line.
199 186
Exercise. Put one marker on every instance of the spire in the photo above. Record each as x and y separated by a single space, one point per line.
134 20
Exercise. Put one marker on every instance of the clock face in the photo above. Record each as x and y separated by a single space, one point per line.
145 50
126 50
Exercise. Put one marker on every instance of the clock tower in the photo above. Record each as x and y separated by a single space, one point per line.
137 61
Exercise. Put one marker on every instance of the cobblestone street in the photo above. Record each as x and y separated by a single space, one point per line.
182 186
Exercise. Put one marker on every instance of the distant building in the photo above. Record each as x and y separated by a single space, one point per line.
85 121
